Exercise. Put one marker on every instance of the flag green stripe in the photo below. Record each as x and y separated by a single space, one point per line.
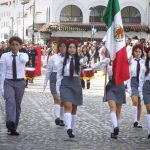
112 9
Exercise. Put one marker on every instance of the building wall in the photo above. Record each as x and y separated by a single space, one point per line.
48 11
85 5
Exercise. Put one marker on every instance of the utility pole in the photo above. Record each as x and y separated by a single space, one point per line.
12 26
33 22
23 3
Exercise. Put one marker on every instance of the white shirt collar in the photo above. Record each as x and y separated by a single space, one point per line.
137 59
16 54
70 56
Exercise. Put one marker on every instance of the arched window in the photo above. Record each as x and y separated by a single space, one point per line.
96 14
130 15
71 13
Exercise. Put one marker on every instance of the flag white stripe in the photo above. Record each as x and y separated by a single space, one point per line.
111 44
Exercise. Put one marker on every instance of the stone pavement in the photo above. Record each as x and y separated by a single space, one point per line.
38 131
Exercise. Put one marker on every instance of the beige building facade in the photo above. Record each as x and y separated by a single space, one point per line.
69 18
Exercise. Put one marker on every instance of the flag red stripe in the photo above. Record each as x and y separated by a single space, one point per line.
121 67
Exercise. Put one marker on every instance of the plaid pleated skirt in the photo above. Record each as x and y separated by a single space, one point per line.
71 90
53 78
134 87
146 92
116 93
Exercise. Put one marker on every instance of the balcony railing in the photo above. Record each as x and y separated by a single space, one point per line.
71 19
96 19
131 19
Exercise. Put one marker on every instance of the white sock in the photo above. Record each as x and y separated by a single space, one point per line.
113 119
61 113
68 120
134 113
148 122
73 122
57 110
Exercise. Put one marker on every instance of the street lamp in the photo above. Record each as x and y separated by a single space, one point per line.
23 3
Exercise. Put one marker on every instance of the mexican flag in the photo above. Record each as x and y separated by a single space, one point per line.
115 42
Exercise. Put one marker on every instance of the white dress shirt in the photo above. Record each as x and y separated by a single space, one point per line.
142 79
102 65
133 66
82 62
133 71
7 72
53 66
67 68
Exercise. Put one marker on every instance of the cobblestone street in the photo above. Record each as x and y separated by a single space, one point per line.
39 132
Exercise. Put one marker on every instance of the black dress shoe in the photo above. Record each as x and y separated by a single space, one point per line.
88 87
113 136
135 124
14 133
62 123
57 121
70 134
116 131
10 126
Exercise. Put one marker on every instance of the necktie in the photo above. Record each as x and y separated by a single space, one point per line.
71 68
138 69
14 67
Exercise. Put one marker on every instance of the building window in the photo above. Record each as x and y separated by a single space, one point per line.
96 14
71 13
131 15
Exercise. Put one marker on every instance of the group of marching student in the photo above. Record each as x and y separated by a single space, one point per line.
138 87
63 71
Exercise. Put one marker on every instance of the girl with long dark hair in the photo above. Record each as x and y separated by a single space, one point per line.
69 85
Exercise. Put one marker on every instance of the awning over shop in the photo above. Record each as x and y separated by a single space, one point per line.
37 27
87 27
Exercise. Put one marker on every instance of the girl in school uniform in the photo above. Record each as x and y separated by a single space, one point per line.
51 75
88 64
144 86
114 95
133 83
69 85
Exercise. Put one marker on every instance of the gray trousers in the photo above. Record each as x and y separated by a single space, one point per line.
13 94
